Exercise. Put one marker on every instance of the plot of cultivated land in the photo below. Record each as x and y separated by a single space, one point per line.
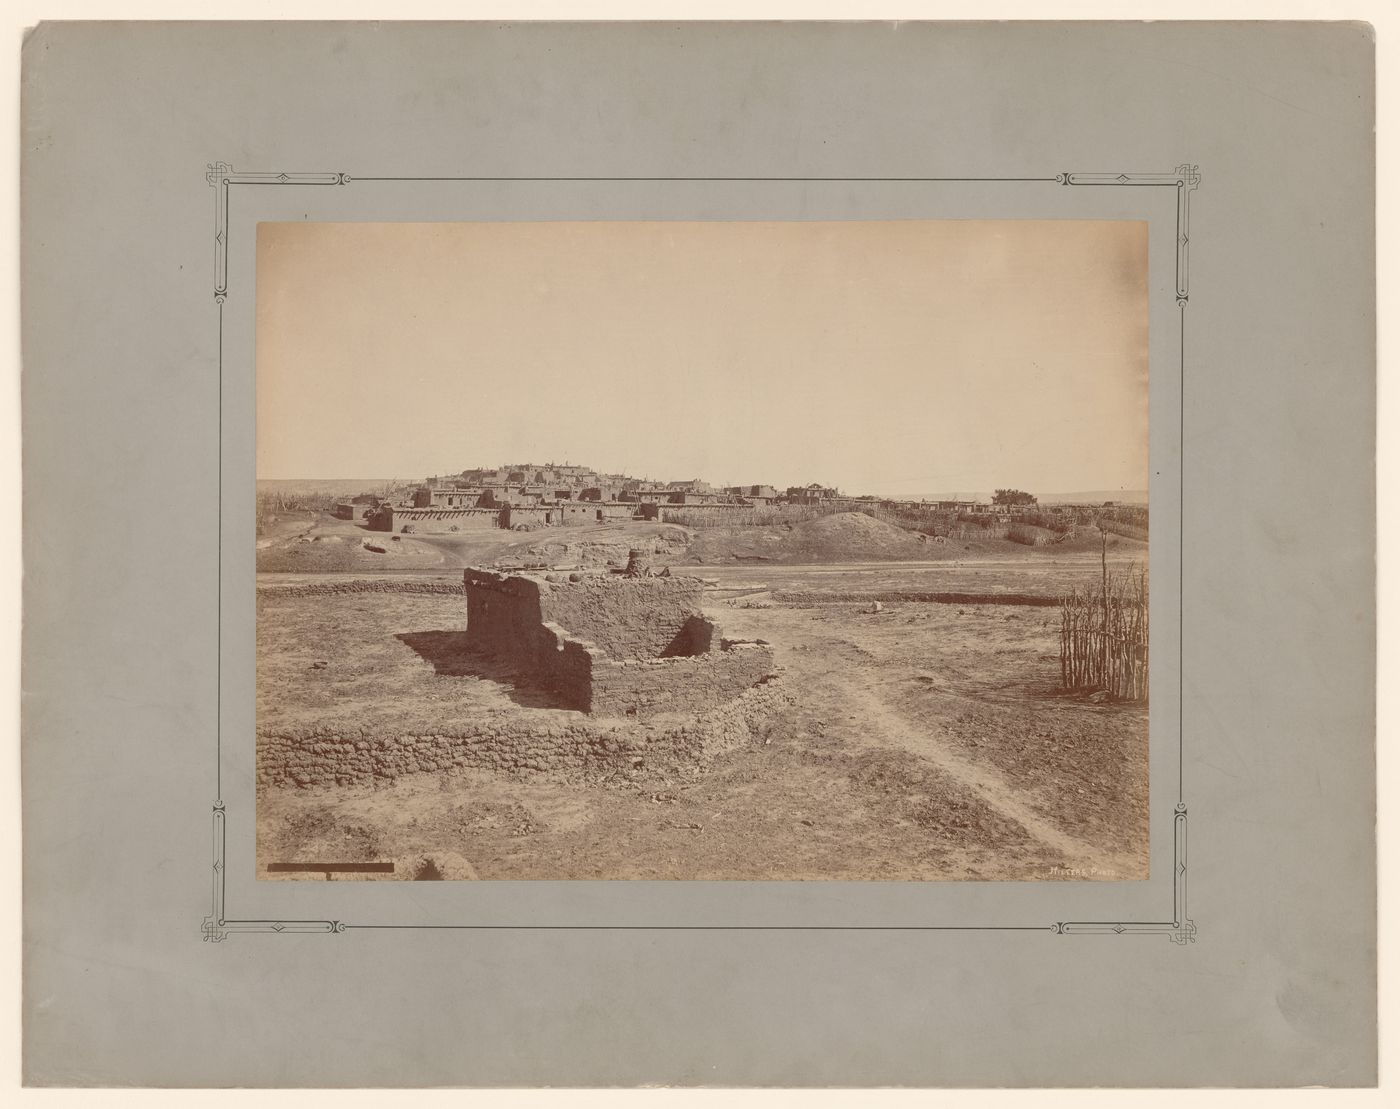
928 741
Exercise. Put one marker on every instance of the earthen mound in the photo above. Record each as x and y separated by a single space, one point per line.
854 535
841 537
849 536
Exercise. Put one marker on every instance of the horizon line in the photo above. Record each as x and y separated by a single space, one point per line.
717 485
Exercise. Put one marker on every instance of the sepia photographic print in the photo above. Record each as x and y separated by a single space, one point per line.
702 550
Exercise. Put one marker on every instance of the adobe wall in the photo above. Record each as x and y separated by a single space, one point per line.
696 636
694 684
564 666
626 618
504 617
437 521
514 515
587 513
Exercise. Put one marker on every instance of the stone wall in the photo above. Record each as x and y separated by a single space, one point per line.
315 756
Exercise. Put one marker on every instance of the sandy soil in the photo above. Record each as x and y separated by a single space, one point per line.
929 742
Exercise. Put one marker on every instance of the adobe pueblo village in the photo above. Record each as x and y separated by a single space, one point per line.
539 671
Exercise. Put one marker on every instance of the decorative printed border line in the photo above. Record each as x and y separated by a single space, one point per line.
1180 929
1185 179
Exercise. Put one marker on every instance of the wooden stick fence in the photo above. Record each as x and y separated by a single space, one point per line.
1103 637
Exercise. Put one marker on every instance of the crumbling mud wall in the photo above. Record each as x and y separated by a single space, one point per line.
505 617
611 645
681 684
626 618
317 756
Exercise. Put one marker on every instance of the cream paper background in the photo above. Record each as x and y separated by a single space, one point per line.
120 666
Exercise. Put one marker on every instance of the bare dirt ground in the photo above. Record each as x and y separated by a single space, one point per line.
316 543
929 742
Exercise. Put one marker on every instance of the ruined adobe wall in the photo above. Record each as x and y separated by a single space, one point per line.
697 635
663 685
504 616
625 618
612 646
565 666
505 619
315 756
584 678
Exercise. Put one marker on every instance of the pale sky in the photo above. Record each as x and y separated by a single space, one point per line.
894 357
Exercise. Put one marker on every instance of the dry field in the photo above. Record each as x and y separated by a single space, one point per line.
927 741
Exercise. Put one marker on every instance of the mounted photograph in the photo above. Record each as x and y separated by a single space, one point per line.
730 550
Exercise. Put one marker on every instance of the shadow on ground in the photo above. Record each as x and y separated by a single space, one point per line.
451 656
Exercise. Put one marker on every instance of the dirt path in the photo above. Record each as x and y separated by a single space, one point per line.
859 691
987 784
